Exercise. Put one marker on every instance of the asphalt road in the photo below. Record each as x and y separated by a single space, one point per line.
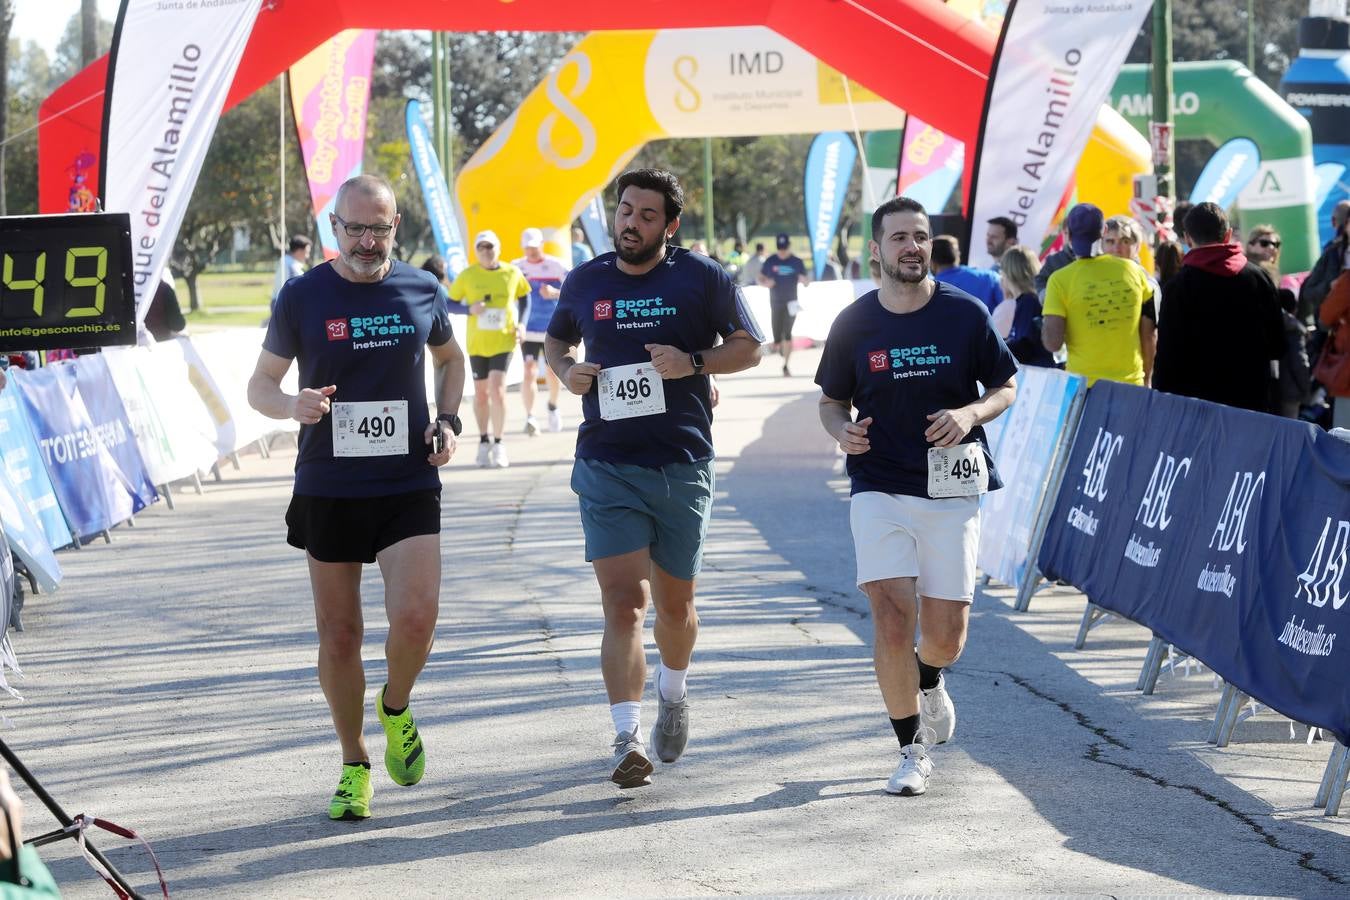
171 687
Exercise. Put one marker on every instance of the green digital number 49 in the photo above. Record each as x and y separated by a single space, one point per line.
35 284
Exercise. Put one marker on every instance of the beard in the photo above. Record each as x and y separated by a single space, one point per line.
895 273
640 254
365 267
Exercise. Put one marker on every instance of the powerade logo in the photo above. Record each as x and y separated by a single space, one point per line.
336 329
604 310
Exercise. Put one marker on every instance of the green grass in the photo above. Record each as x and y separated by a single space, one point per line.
228 299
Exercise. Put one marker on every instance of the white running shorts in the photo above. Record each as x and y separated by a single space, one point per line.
898 536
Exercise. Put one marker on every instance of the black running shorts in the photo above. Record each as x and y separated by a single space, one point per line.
355 529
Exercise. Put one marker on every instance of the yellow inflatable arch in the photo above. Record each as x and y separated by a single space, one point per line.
617 90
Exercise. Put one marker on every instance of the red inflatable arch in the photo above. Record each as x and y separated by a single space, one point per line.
917 54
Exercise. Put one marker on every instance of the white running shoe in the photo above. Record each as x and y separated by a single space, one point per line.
484 454
531 426
554 421
911 776
498 457
936 711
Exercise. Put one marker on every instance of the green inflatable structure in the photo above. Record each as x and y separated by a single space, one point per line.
1218 101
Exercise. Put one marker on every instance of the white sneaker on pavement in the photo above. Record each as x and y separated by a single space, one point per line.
484 454
554 421
498 458
531 426
911 776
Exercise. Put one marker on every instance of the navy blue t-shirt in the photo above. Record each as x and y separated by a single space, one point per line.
686 301
784 273
369 340
899 368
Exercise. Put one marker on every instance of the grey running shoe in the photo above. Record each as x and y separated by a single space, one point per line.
632 768
911 776
670 734
936 711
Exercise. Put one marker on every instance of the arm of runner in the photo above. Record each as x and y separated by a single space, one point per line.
950 426
737 352
579 378
448 360
1052 332
266 396
837 418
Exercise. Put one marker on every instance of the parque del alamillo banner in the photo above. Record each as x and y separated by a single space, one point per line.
1052 71
170 68
330 93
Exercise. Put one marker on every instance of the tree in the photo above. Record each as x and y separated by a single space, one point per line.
89 22
1202 29
6 23
238 188
28 83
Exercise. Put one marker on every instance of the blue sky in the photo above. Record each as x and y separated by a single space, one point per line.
44 20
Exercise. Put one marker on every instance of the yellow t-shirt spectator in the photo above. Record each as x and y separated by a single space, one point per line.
494 331
1101 300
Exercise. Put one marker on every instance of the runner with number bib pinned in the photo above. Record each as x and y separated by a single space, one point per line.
910 357
649 316
366 482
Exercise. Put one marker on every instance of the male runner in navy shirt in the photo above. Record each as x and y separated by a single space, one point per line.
649 316
366 482
912 358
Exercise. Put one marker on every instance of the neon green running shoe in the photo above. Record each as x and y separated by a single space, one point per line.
351 801
403 753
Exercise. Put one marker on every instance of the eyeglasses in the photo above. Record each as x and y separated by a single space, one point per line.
1267 242
356 229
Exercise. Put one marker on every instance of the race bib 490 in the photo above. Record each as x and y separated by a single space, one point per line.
374 428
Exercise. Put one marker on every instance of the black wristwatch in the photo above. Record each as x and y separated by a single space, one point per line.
453 421
697 359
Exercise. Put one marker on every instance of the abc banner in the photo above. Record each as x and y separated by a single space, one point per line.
1225 533
330 90
1052 71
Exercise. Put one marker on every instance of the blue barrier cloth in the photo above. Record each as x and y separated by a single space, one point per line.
25 469
1223 531
112 426
26 537
92 491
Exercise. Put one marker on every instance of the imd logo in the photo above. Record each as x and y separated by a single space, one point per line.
337 329
878 360
604 310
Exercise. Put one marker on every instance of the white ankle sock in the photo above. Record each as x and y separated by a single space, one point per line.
627 716
671 682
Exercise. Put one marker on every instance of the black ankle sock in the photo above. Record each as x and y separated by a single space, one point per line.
928 675
363 763
906 729
496 440
482 439
392 712
553 407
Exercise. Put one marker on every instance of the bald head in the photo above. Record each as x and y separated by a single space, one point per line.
372 187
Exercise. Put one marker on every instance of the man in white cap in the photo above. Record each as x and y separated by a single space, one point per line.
498 299
545 275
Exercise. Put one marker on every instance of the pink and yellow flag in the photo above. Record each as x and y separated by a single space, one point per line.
330 90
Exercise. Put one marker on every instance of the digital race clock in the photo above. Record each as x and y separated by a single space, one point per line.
66 281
